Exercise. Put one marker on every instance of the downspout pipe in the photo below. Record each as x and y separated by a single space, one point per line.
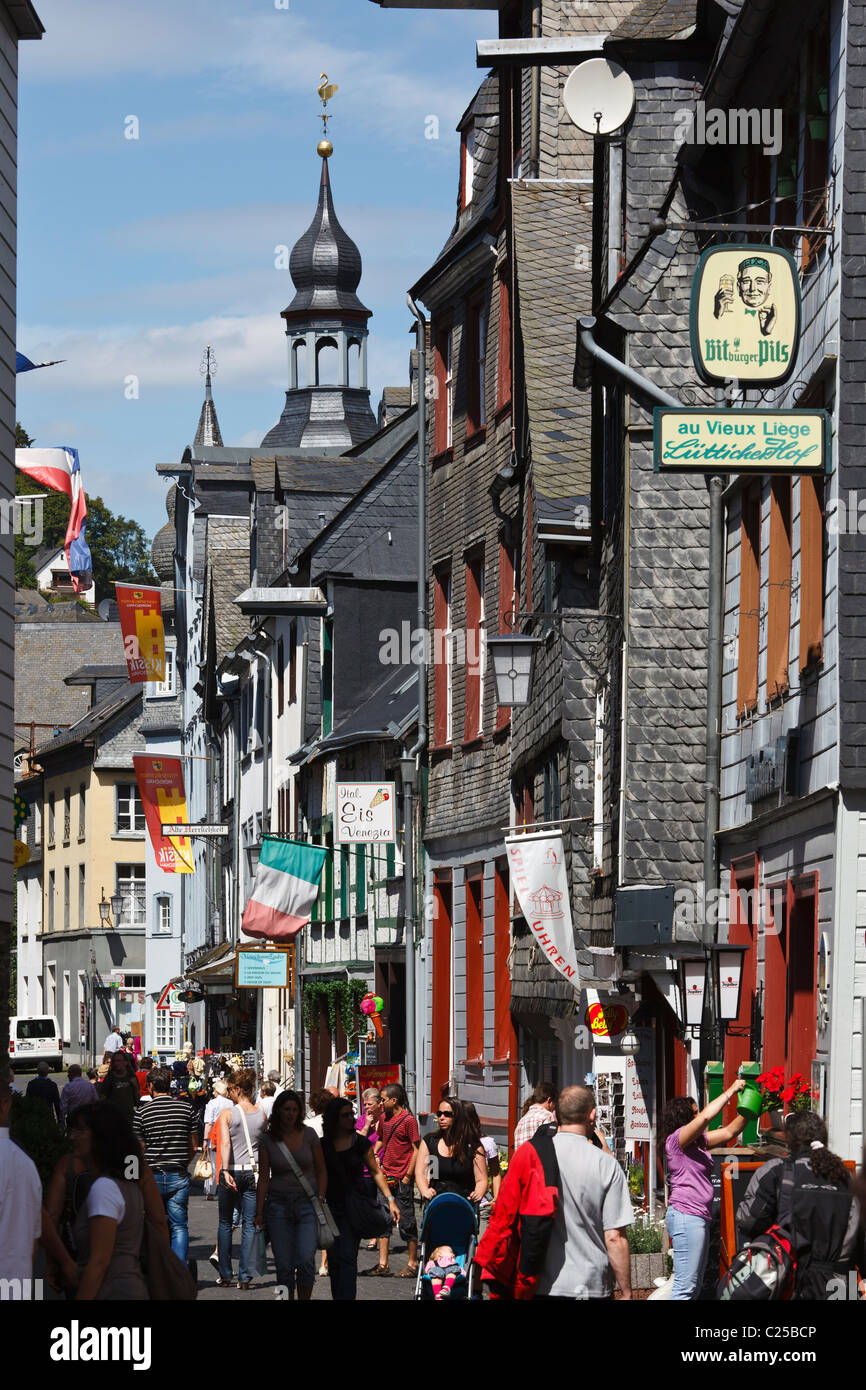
586 344
408 765
535 102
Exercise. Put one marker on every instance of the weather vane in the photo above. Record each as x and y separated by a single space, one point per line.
326 90
208 362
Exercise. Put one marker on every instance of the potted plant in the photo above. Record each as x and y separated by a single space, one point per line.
771 1085
645 1243
798 1093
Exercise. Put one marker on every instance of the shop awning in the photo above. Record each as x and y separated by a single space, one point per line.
216 964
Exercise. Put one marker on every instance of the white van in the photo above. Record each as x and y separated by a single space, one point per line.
34 1040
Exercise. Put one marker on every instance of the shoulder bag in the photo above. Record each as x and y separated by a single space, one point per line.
166 1276
368 1212
253 1157
328 1228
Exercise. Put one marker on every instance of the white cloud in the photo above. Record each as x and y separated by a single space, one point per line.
250 46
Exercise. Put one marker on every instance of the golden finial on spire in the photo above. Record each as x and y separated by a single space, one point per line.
326 91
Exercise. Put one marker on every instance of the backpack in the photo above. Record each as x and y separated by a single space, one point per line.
766 1267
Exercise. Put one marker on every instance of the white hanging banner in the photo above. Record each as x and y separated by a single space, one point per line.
538 875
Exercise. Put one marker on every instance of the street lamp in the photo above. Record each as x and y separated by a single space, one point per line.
513 653
727 966
629 1043
513 657
693 983
111 907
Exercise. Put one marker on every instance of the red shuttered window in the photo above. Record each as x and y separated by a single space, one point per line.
473 724
442 649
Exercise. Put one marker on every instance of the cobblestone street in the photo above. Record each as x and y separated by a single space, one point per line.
202 1233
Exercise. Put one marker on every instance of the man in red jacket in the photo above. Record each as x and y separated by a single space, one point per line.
511 1251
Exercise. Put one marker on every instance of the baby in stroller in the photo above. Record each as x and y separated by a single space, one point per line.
443 1269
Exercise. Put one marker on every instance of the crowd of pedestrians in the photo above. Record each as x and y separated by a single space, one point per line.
309 1181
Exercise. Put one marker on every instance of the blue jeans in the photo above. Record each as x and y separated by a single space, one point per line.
174 1190
228 1200
293 1231
690 1237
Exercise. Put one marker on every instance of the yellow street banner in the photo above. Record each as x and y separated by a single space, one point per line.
160 786
140 611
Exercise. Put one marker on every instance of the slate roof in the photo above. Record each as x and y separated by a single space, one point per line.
84 675
549 222
484 112
387 713
228 563
29 610
658 19
95 721
208 432
325 265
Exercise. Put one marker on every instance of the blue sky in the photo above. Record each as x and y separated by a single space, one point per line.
135 253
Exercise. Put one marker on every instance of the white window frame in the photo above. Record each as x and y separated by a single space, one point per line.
135 810
482 366
163 914
449 389
132 888
164 689
468 164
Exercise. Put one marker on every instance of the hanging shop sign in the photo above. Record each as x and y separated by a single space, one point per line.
745 315
21 854
537 864
160 786
256 969
741 441
373 1078
364 811
640 1089
140 612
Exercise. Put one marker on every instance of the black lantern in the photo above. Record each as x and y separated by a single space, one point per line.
513 658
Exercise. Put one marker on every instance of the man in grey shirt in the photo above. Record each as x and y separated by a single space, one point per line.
588 1247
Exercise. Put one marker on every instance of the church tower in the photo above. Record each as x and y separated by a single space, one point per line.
328 401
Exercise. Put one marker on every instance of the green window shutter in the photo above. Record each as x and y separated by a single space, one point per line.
390 860
329 880
344 881
360 880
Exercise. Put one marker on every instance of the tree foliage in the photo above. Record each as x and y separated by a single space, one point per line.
119 546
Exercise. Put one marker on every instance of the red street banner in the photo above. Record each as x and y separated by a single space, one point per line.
373 1078
140 611
160 786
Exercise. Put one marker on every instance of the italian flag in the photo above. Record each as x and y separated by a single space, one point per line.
285 888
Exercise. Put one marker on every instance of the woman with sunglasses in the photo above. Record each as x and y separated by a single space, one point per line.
452 1159
346 1154
283 1204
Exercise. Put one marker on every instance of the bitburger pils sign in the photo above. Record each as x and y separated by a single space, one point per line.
745 315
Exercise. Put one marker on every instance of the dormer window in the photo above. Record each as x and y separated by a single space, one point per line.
467 165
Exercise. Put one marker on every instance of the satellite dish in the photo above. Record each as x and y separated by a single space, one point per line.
599 96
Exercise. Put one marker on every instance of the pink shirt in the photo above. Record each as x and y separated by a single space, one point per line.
690 1172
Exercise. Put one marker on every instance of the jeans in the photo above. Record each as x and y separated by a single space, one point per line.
690 1237
229 1201
293 1231
343 1261
174 1190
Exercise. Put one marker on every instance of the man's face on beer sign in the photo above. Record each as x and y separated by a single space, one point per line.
753 284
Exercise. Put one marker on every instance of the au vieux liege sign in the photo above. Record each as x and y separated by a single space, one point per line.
744 326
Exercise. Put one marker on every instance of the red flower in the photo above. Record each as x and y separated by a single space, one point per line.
788 1094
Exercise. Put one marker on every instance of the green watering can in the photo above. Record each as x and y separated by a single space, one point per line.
750 1101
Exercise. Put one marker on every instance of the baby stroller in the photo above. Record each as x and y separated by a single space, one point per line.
448 1220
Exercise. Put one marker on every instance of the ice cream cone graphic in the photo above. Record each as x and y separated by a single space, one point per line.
381 795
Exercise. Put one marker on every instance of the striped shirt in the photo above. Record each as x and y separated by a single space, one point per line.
164 1129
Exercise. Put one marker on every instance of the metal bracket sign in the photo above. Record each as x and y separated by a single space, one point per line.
257 968
364 811
745 315
169 831
741 441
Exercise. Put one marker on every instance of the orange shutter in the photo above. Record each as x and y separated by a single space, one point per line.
811 571
441 601
750 594
779 599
